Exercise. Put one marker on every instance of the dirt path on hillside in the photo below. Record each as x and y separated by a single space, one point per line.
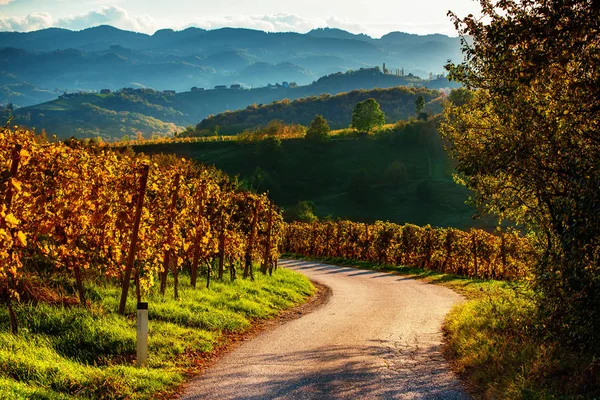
378 336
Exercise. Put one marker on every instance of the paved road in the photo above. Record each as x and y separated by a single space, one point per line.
378 337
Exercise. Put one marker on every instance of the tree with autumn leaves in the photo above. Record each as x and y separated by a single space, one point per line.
528 144
97 213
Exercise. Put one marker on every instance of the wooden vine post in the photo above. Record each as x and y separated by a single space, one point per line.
503 251
134 238
138 291
475 263
196 249
10 280
222 246
339 237
170 221
250 247
328 239
268 262
429 248
446 265
367 243
232 271
313 239
208 272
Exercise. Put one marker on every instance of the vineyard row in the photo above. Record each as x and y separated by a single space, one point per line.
474 253
91 211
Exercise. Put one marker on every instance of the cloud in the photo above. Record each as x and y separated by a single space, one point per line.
31 22
5 2
107 15
270 23
346 25
281 22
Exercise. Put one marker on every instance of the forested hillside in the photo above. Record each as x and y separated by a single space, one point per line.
401 173
155 113
397 104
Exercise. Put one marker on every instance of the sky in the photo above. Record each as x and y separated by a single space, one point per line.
374 18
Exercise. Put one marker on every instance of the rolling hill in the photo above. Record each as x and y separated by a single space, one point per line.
406 174
397 103
161 113
104 57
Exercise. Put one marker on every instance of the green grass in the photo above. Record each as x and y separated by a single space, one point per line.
75 353
322 173
496 343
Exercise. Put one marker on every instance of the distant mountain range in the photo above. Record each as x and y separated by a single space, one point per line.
131 111
38 66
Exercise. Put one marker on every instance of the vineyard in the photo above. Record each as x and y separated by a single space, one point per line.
475 253
89 212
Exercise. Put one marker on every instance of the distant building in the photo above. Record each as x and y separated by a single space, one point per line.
235 86
221 87
170 92
128 90
66 95
197 89
105 91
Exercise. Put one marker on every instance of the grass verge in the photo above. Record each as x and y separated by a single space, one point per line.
75 353
495 343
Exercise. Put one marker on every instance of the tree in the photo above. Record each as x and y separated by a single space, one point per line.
303 211
419 105
189 131
318 130
527 144
367 115
460 96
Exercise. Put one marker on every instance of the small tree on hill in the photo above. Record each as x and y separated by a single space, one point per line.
303 211
367 115
318 130
419 105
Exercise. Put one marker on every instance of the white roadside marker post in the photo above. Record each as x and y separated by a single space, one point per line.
142 333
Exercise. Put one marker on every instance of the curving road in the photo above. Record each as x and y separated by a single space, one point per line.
378 337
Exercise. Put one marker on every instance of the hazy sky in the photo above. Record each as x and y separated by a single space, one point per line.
359 16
